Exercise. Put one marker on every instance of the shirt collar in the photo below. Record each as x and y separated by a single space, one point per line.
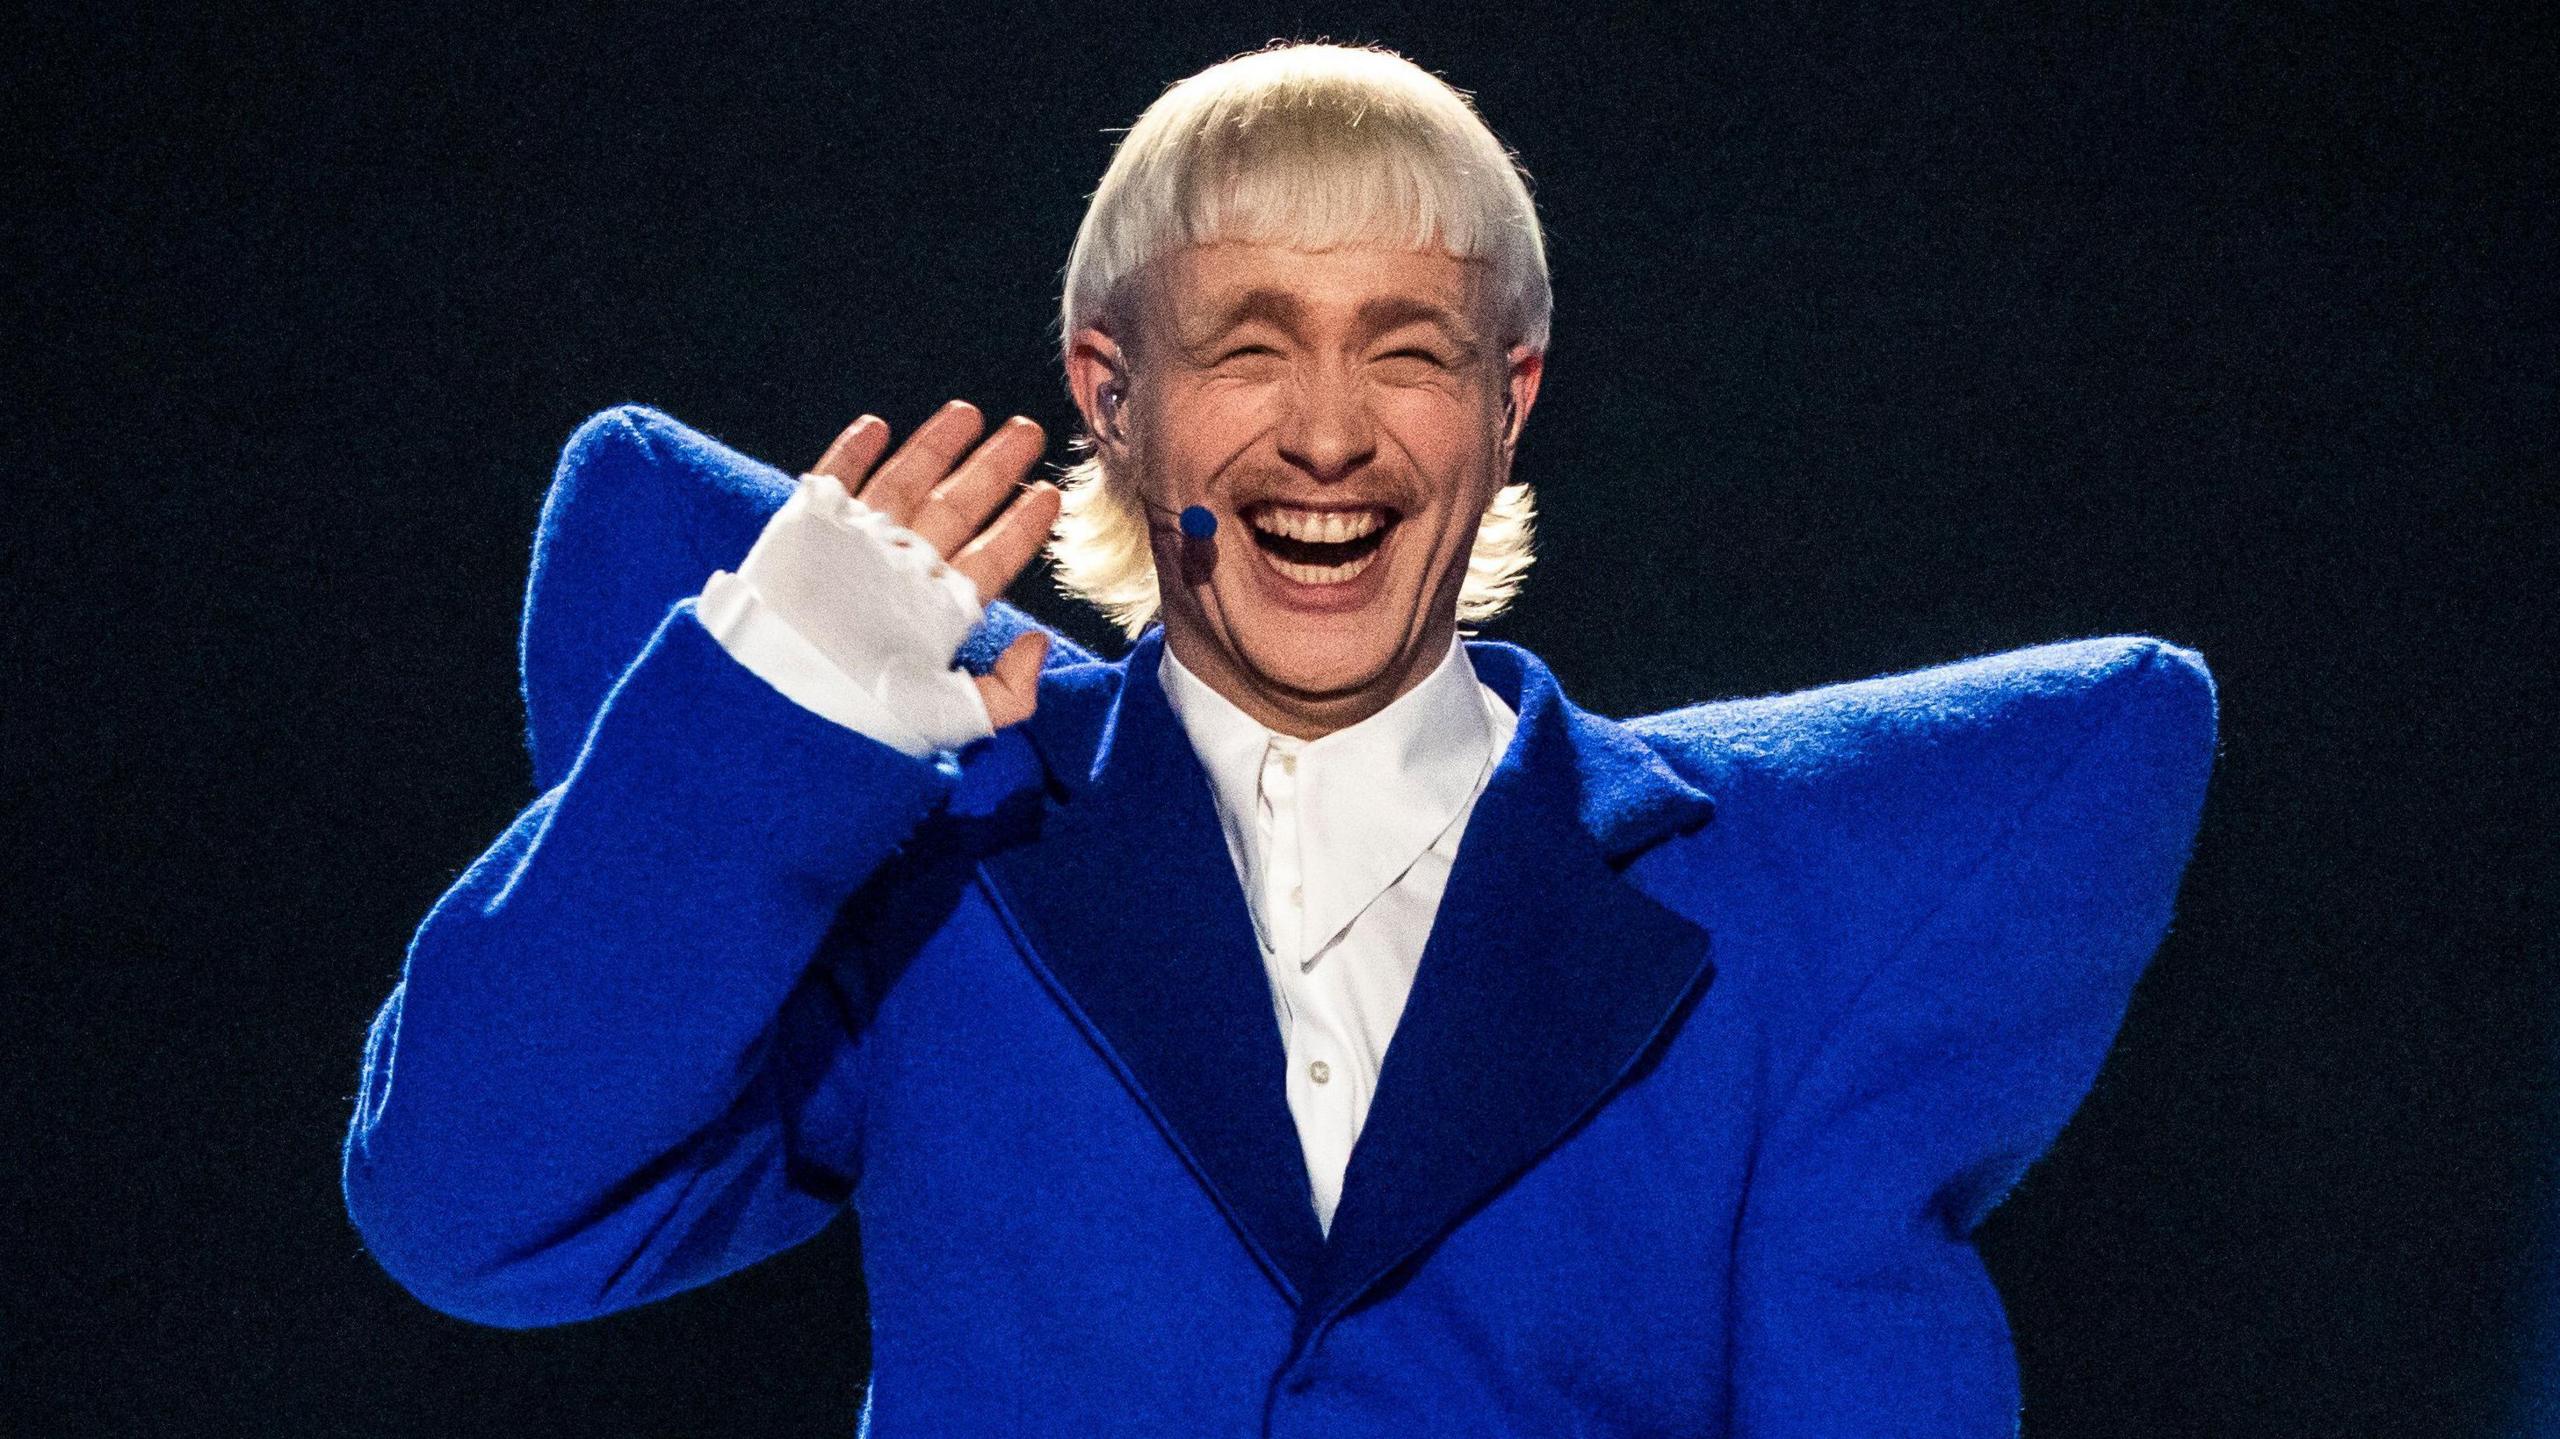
1372 797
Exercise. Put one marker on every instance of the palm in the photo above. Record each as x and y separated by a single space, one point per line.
971 505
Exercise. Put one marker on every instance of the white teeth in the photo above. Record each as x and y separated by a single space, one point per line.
1328 527
1321 574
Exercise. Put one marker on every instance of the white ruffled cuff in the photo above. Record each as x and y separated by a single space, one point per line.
854 618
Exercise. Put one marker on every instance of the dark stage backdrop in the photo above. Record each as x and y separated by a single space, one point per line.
1879 343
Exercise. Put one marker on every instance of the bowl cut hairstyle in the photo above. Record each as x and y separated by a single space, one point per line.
1314 147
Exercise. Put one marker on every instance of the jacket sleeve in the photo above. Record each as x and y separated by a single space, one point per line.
1862 1307
613 1067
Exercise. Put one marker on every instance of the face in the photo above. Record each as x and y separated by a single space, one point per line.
1341 412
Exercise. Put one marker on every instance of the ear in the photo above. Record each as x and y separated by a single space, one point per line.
1526 368
1095 363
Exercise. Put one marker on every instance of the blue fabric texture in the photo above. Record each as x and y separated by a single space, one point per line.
1736 1021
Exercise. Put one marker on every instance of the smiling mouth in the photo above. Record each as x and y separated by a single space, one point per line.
1319 546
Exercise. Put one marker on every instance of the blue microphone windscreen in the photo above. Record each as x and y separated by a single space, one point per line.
1198 523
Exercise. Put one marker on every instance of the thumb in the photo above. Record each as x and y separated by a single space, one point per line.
1011 689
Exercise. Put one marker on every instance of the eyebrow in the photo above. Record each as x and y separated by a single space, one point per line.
1388 312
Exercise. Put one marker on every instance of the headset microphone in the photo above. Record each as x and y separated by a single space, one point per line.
1197 522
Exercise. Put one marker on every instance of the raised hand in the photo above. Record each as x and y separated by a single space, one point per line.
971 506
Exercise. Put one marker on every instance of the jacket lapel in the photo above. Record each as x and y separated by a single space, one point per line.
1127 902
1546 980
1524 1015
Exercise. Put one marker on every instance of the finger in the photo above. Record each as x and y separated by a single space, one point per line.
899 486
851 455
958 507
998 554
1011 689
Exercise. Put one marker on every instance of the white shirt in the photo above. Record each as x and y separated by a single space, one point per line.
1343 844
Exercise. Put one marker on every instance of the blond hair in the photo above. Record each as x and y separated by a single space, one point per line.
1315 147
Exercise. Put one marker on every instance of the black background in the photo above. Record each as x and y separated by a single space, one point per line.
1879 343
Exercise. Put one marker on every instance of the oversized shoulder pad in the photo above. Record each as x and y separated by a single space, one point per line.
641 510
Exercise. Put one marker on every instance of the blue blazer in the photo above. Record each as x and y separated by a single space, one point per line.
1735 1022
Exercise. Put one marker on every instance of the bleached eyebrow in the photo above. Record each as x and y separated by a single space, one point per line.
1396 311
1277 307
1286 311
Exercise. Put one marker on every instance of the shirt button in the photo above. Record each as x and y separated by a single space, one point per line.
1288 763
1319 1071
1298 894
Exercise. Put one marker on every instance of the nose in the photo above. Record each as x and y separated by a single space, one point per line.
1327 432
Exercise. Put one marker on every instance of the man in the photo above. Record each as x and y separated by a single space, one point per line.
1713 1034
